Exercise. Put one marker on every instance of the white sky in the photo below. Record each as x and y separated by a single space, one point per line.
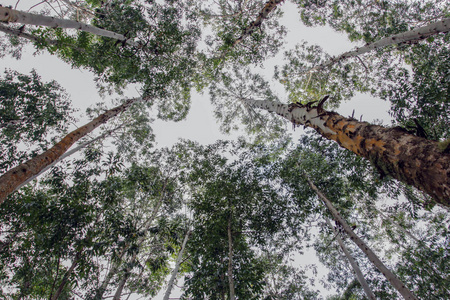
200 124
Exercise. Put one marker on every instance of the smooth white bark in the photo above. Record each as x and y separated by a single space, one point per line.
16 16
354 264
177 267
404 37
300 115
396 283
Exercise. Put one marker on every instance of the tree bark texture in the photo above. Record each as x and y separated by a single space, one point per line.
15 16
267 9
393 151
67 154
354 264
16 176
411 36
396 283
177 267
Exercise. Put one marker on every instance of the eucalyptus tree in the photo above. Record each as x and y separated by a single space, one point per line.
359 275
77 223
369 20
175 270
61 231
238 213
14 177
394 151
421 249
153 199
9 15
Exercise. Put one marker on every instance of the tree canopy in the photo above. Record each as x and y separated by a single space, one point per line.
97 210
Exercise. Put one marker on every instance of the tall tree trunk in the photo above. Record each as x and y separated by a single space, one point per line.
414 35
411 159
230 260
396 283
16 176
354 264
67 275
16 16
177 267
67 154
267 9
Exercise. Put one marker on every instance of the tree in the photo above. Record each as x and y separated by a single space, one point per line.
393 151
9 15
109 225
16 176
353 263
177 266
404 37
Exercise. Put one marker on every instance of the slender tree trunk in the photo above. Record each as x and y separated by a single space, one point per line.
396 283
354 264
267 9
16 176
16 16
177 267
230 260
115 266
411 159
33 38
123 281
58 261
67 154
222 280
414 35
67 275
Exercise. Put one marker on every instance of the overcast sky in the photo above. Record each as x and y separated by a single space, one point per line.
200 124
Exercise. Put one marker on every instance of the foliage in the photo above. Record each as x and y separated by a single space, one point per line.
121 216
32 113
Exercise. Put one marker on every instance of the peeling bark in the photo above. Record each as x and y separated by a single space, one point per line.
15 16
16 176
393 151
411 36
396 283
359 275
